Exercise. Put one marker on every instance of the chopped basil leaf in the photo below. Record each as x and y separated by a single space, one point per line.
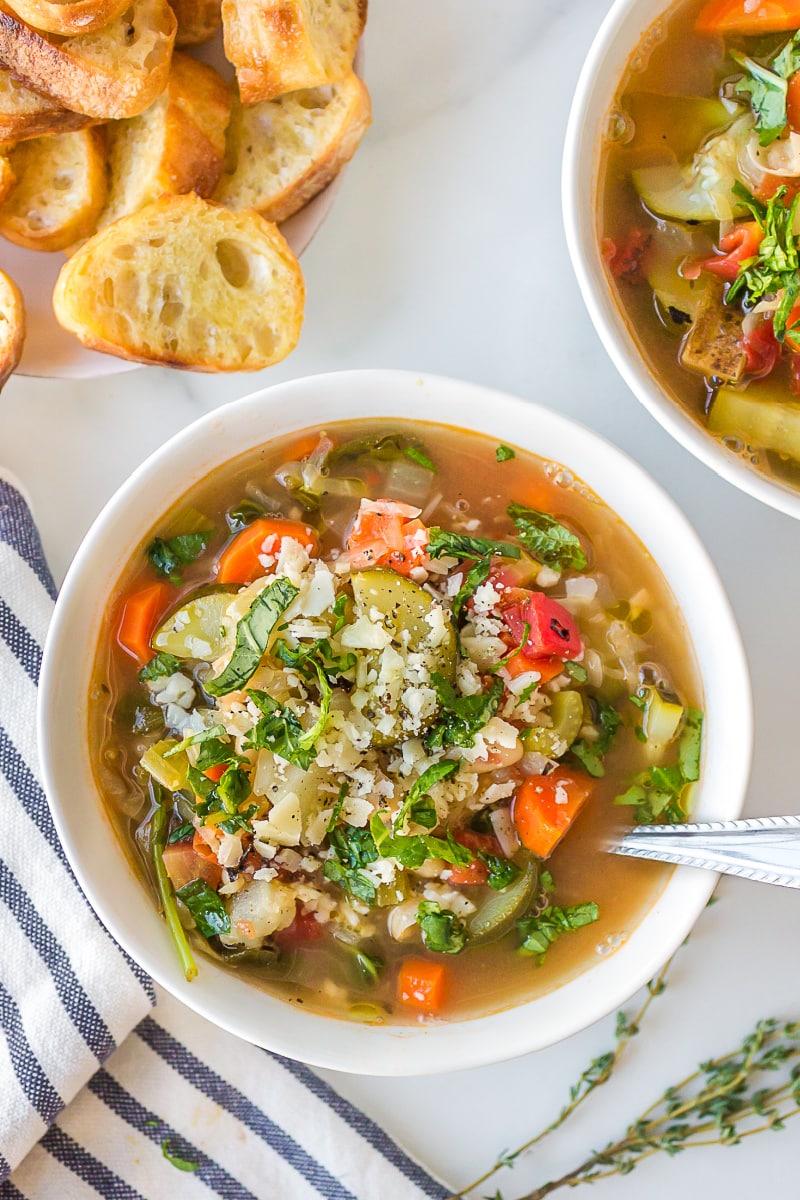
337 808
430 776
168 554
766 93
442 931
161 666
462 716
500 871
689 746
306 659
413 851
578 673
503 453
280 731
339 612
590 754
538 933
444 544
353 849
252 637
547 539
418 456
210 915
233 788
180 1164
775 268
477 574
214 751
205 735
180 833
244 514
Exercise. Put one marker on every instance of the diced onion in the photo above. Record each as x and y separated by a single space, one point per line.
504 831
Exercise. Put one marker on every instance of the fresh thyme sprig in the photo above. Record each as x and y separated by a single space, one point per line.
596 1074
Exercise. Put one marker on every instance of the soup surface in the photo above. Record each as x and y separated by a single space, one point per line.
369 703
699 219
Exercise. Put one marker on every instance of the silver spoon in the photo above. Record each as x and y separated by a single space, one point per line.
763 848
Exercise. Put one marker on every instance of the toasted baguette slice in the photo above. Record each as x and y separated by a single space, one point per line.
282 46
176 145
60 189
12 326
26 114
113 73
198 20
65 18
7 176
185 283
282 152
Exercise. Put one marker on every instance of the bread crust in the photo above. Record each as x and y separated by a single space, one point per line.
185 283
26 114
112 74
198 20
43 210
279 46
12 326
66 20
276 179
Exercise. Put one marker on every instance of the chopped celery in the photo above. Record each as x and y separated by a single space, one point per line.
197 629
169 905
661 720
566 713
169 772
503 908
755 418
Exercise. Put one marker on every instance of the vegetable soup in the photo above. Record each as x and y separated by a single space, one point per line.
369 703
700 219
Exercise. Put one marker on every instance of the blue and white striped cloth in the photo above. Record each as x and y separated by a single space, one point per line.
251 1125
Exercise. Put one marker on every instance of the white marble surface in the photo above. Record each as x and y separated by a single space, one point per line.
445 253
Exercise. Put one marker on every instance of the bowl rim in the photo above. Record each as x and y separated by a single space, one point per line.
614 42
120 899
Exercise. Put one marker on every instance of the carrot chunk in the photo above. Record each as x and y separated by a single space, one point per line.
422 984
141 613
546 668
545 807
748 16
240 561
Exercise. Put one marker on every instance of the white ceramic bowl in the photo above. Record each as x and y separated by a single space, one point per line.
117 893
616 40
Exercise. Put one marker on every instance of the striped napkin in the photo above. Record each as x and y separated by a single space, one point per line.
177 1107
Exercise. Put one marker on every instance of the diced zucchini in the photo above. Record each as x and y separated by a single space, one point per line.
674 123
502 909
404 606
661 720
566 713
678 299
703 189
169 772
757 419
198 629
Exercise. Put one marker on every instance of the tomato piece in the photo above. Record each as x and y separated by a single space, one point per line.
739 244
475 872
625 259
304 928
545 807
762 349
551 630
390 534
520 664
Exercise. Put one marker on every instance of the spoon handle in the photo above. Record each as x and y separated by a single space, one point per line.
763 848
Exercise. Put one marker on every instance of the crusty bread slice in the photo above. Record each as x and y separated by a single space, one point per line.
12 326
7 176
26 114
176 145
198 20
282 46
60 189
113 73
68 17
186 283
280 153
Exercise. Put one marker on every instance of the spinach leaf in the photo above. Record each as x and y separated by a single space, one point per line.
210 915
252 637
538 933
442 930
503 453
462 716
168 554
305 659
386 448
591 754
216 733
280 731
477 574
353 849
788 61
420 788
657 793
547 539
233 788
444 544
337 808
243 514
180 833
413 850
161 666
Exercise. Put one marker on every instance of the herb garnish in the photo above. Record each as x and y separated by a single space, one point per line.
538 933
445 544
578 672
243 514
657 792
503 453
590 754
442 931
280 731
210 914
477 574
766 89
413 850
461 716
180 1164
411 807
168 554
180 833
161 666
418 456
353 849
252 637
547 539
775 269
